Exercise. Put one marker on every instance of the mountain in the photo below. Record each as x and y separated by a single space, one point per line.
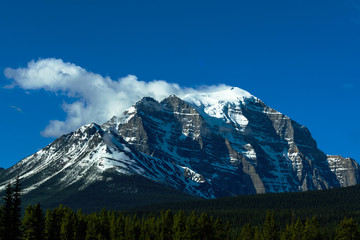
206 145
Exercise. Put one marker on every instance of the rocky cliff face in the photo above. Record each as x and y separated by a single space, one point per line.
208 145
240 144
346 170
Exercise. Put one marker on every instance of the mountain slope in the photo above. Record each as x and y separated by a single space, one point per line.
86 161
207 145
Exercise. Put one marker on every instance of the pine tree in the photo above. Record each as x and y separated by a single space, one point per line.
92 227
287 233
53 220
297 230
50 225
347 230
167 221
205 229
6 230
2 229
270 230
128 230
33 223
191 227
136 227
257 233
149 228
117 227
227 231
80 226
104 223
68 221
179 225
311 229
16 210
247 232
132 228
219 230
11 212
293 231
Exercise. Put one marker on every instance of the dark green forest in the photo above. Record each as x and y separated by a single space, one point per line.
267 216
328 206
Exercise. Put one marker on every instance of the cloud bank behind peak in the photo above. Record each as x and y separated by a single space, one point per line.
97 98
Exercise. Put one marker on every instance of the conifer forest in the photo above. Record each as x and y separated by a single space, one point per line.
62 223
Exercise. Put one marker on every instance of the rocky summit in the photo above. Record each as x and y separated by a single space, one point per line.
206 145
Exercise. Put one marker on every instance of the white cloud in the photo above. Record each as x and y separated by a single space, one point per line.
98 98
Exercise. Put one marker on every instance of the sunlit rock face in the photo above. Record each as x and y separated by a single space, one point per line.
346 170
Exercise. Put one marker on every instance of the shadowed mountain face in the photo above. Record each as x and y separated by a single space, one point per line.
207 145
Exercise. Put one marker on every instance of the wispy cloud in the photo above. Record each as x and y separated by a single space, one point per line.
98 98
16 108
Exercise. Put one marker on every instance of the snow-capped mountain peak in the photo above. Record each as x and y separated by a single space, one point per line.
209 145
225 105
234 96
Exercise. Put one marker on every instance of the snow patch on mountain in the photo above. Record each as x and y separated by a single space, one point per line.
232 95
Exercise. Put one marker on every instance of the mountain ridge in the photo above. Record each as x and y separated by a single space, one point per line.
208 145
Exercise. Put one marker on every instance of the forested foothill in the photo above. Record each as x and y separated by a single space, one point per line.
246 217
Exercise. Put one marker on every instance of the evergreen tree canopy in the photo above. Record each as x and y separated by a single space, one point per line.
270 229
33 223
347 230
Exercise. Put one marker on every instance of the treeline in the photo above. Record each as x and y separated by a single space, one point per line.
329 207
63 223
299 230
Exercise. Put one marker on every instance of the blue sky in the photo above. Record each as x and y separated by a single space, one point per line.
300 57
